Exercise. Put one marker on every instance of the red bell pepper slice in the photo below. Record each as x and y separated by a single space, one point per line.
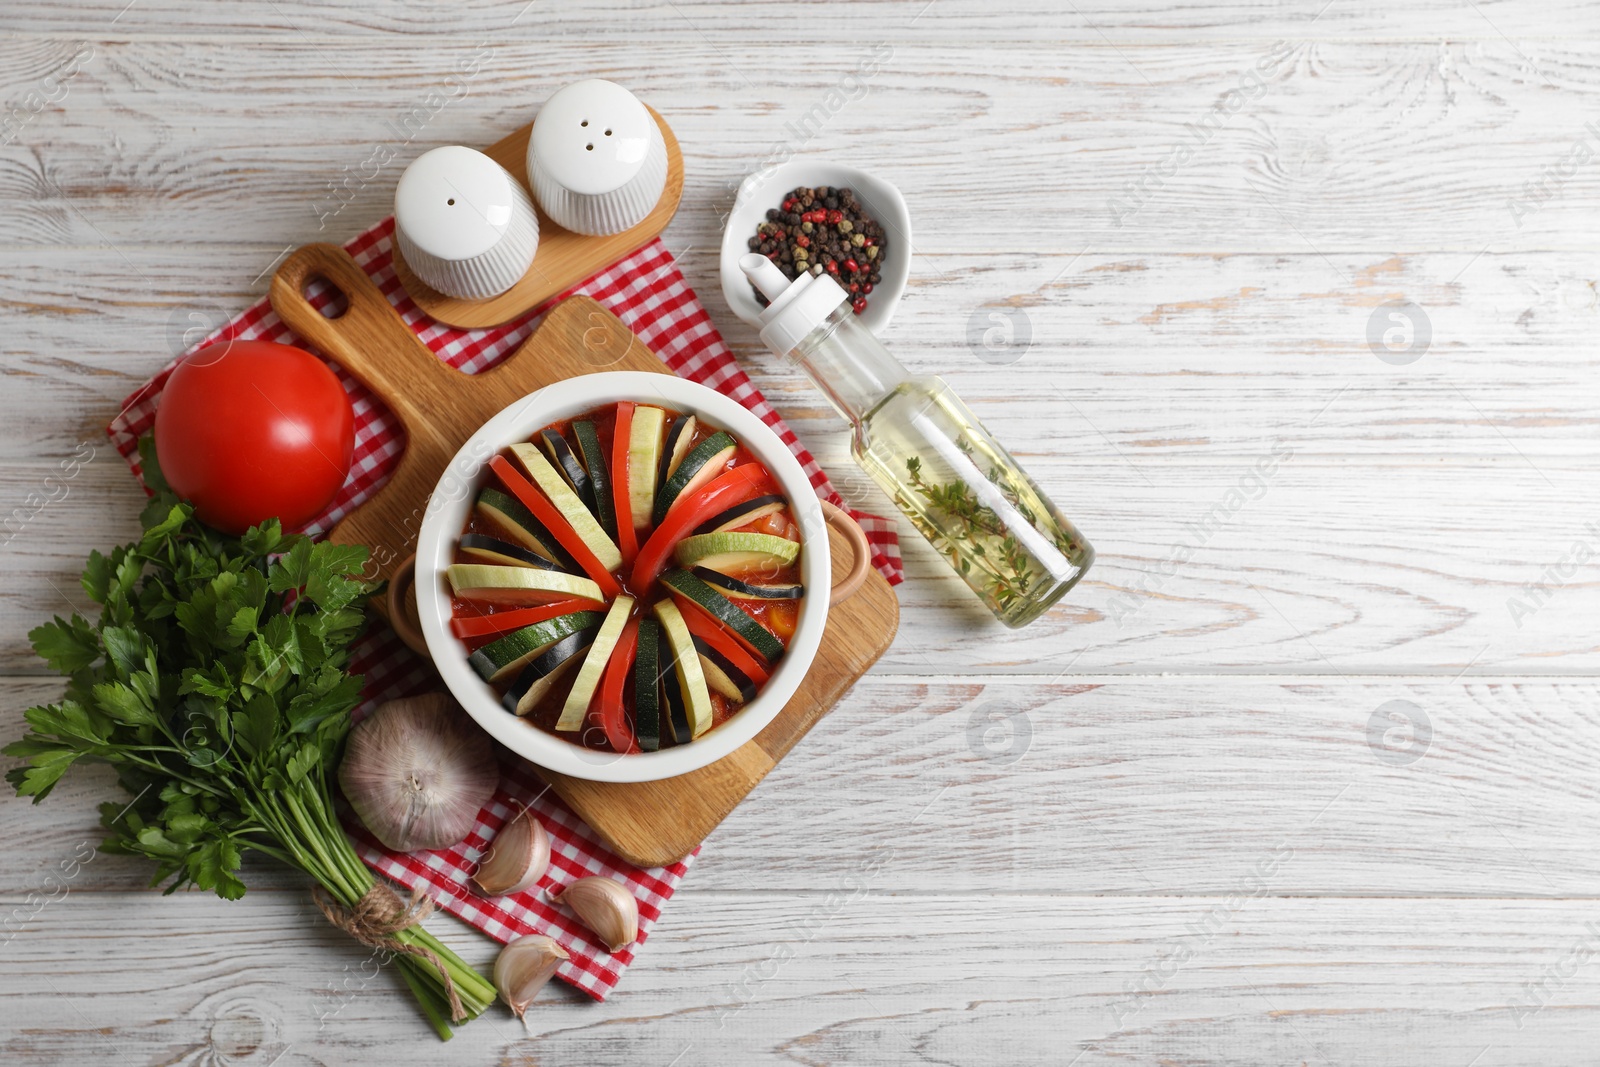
607 707
722 492
556 523
701 626
501 621
627 536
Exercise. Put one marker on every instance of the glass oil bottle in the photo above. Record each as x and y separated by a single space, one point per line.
924 447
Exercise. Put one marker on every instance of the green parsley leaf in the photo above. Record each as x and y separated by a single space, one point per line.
98 574
292 569
124 646
176 515
43 771
68 647
150 466
69 720
123 704
263 540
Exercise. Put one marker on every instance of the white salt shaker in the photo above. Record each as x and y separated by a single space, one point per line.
596 160
465 226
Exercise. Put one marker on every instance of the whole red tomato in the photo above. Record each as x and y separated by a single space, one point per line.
251 430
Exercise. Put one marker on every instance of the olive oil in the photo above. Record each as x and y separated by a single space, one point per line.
965 493
959 486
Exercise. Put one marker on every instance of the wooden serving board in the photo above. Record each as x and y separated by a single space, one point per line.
563 258
649 823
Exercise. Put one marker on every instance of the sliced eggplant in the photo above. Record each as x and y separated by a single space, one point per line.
721 610
644 460
704 462
540 676
594 461
737 553
679 436
723 676
730 586
677 717
517 585
742 514
566 461
482 548
499 661
507 513
647 686
594 665
686 666
568 503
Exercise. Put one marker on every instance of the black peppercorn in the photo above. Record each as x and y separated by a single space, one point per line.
824 230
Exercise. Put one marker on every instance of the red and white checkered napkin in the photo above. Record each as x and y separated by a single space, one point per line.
646 291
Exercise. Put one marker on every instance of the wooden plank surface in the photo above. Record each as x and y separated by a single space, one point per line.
1172 822
1368 146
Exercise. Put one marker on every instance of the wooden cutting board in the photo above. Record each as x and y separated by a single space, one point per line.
650 823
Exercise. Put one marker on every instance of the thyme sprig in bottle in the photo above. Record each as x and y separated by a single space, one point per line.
926 449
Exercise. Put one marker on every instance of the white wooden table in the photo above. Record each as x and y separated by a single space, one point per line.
1202 832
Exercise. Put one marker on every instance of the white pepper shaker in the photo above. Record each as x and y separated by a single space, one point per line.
596 160
465 226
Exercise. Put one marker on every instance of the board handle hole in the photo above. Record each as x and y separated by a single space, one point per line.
326 297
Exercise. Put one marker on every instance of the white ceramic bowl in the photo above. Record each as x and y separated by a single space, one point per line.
447 515
765 189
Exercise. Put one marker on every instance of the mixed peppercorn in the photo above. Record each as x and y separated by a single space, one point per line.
824 229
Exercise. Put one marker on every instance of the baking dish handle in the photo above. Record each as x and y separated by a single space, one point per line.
851 531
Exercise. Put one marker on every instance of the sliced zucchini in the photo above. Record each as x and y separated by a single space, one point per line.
737 553
723 676
742 514
564 460
517 585
499 660
686 664
507 512
540 676
679 436
482 548
567 502
732 587
594 460
672 697
647 687
724 611
594 665
698 467
644 460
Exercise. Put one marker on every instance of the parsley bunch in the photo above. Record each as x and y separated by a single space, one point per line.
216 683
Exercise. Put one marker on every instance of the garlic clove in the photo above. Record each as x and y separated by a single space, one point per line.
517 857
605 906
523 967
417 773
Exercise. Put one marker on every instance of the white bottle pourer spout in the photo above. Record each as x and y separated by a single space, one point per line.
794 308
763 274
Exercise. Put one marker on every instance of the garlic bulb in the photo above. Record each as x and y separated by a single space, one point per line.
606 907
417 773
523 967
517 857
